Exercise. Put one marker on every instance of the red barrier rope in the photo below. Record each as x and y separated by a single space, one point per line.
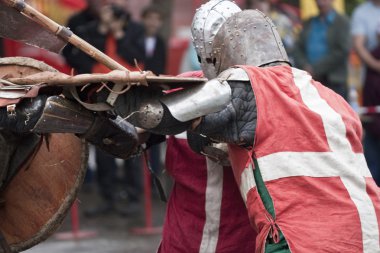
369 110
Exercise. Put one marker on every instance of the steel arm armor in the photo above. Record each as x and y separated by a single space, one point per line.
174 112
56 114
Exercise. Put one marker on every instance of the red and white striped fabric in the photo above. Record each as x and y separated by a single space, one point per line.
308 148
205 213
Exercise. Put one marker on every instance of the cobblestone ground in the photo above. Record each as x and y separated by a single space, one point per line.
114 233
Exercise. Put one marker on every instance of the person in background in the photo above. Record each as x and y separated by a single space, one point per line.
365 31
110 30
132 183
91 13
323 48
155 60
115 34
105 178
105 163
88 15
154 45
123 4
371 97
119 37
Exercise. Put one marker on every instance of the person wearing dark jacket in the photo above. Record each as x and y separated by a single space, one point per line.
85 16
112 32
82 18
115 34
154 45
323 48
154 59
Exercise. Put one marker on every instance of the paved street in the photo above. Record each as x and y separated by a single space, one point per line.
105 243
114 233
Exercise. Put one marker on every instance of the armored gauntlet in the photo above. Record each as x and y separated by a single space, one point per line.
237 122
56 114
115 136
217 152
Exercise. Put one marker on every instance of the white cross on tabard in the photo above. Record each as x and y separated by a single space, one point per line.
323 164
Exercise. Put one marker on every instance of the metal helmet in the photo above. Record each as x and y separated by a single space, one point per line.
247 38
206 23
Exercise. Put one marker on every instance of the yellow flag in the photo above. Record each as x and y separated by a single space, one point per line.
309 8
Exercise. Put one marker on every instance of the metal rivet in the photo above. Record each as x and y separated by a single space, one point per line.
107 141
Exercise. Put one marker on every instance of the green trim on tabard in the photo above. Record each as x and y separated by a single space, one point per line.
270 246
263 191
